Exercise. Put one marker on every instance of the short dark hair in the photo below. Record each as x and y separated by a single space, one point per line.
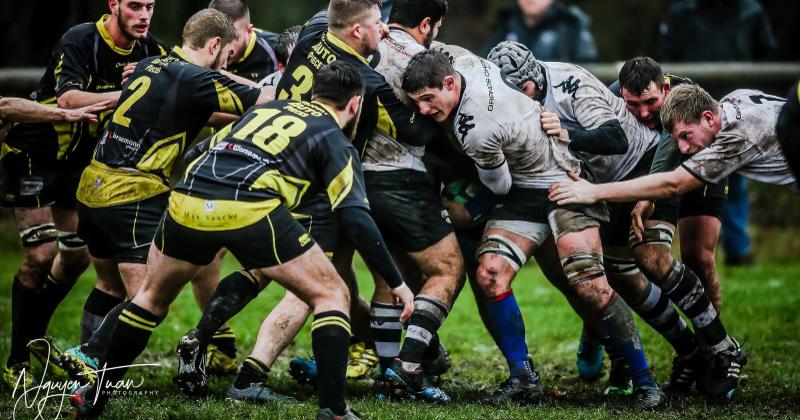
207 24
410 13
637 73
343 13
337 83
234 9
286 41
427 70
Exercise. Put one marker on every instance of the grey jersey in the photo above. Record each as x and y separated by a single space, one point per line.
271 80
382 152
496 123
747 142
583 102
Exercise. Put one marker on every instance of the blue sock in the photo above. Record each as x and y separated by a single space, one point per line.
622 329
511 333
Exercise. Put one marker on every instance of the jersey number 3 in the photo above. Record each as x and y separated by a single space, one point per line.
302 84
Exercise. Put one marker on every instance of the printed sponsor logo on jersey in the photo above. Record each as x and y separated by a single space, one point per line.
489 86
210 206
569 86
464 125
304 239
231 147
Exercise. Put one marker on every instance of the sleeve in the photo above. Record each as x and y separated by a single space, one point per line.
667 157
485 147
602 133
362 230
72 71
317 23
341 172
726 155
217 92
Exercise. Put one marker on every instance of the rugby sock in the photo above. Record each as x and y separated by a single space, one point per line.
611 350
507 317
432 351
428 315
252 372
384 321
225 340
233 293
51 295
684 288
22 300
658 311
330 336
97 306
95 346
130 335
619 323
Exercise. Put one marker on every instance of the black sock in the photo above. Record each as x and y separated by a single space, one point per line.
428 315
22 300
684 288
384 321
658 311
234 292
97 306
432 351
225 340
614 355
330 335
51 295
96 345
129 338
252 372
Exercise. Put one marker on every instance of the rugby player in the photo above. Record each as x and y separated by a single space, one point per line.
498 126
254 55
734 134
42 165
283 49
123 192
788 129
615 145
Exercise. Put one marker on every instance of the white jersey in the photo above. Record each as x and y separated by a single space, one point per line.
382 152
495 123
747 142
271 80
584 103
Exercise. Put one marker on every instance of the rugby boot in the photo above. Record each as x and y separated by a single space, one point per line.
439 365
361 361
647 397
620 383
304 371
327 414
718 383
414 383
18 376
83 401
516 390
590 357
258 393
684 373
48 354
218 363
191 376
79 366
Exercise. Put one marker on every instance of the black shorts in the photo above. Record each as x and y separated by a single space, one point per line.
708 200
273 240
407 209
325 230
122 232
617 230
32 183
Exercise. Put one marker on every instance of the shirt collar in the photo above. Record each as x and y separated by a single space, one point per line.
101 28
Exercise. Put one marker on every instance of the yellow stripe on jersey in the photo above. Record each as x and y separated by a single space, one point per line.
228 101
385 123
217 215
250 44
103 186
101 27
290 188
343 46
798 92
341 185
163 154
57 70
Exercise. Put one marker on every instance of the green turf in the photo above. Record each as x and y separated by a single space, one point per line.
760 309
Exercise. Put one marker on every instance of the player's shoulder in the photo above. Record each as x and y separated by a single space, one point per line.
569 79
80 34
154 45
270 37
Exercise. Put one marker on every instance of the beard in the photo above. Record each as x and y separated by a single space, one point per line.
428 40
219 62
127 29
351 127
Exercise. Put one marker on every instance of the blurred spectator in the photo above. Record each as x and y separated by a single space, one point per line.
721 30
552 30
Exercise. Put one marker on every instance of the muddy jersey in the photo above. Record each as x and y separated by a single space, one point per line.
165 104
258 60
495 123
84 59
271 80
584 103
282 152
381 110
747 142
384 153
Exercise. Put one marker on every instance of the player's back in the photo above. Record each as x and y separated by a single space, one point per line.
258 59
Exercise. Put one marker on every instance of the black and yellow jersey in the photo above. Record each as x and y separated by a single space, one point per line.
165 103
381 109
258 60
85 59
283 152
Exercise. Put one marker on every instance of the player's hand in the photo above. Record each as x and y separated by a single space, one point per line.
641 212
579 191
551 124
404 296
127 71
87 113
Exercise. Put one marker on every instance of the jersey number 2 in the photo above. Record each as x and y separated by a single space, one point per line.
139 87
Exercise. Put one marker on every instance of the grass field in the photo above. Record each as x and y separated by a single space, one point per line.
760 308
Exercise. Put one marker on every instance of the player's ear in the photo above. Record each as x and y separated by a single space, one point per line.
449 82
425 26
354 105
214 45
113 5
